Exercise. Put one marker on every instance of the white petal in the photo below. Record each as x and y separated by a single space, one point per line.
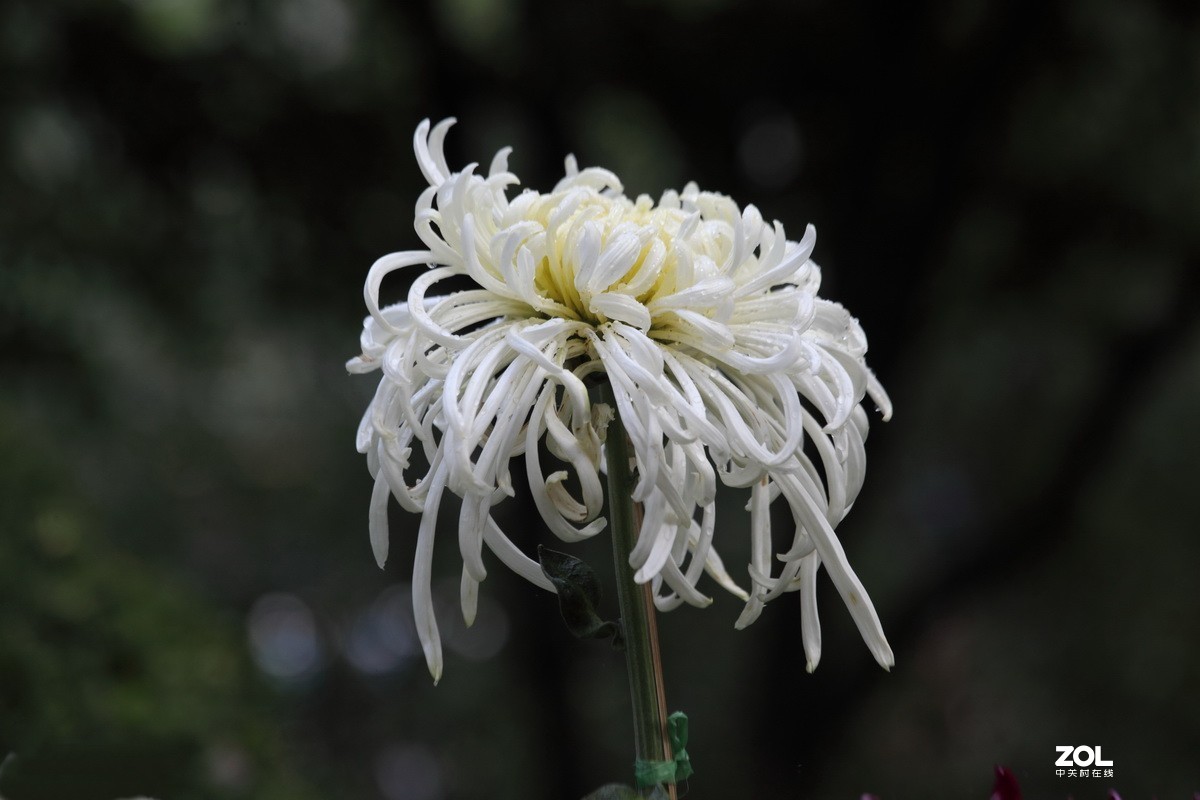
470 536
434 172
512 557
378 520
849 587
381 268
422 585
621 307
468 595
810 623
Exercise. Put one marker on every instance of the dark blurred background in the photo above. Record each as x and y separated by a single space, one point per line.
1007 194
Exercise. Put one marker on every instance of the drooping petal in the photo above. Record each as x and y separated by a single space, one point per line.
379 520
422 583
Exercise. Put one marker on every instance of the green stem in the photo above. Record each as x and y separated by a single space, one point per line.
642 657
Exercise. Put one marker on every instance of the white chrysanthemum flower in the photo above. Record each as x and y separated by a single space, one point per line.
725 365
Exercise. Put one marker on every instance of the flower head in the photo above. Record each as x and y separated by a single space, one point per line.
725 365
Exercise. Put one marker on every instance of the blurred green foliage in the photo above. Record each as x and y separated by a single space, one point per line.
114 679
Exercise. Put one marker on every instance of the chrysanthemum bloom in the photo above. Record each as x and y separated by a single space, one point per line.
724 363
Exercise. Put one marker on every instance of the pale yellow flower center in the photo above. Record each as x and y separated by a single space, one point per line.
559 275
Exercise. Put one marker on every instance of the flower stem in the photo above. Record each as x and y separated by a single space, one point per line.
642 657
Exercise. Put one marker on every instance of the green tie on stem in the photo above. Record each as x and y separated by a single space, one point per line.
654 763
652 773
